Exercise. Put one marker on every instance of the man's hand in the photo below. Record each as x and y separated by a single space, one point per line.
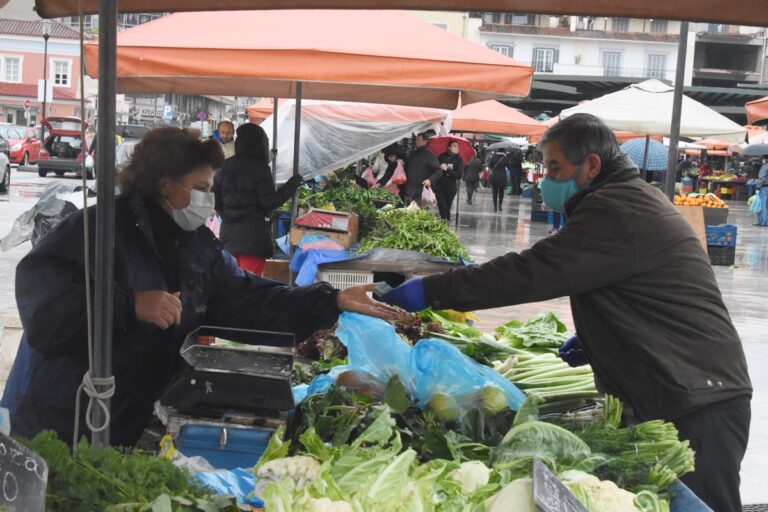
444 167
427 183
159 308
356 300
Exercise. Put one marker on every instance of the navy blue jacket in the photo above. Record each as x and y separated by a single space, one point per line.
50 293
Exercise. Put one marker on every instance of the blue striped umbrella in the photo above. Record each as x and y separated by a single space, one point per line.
657 153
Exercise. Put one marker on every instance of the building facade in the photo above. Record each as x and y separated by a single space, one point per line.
22 65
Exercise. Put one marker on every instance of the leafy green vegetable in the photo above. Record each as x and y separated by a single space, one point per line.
544 330
414 230
536 439
110 479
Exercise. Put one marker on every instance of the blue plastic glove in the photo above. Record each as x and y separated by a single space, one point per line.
409 295
572 353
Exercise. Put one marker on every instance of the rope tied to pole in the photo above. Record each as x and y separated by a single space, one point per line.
90 385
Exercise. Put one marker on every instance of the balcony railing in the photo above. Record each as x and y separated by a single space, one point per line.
603 71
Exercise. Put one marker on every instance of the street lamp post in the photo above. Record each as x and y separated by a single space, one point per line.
46 24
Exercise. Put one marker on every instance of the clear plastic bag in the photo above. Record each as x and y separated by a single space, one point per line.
399 177
755 204
428 197
369 177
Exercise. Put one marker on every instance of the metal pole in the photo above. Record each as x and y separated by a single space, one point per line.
105 208
274 142
458 201
645 154
45 88
296 155
677 109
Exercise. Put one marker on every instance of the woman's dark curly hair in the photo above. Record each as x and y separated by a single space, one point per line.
167 153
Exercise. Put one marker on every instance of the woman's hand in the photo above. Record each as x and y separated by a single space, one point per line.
427 183
158 307
356 300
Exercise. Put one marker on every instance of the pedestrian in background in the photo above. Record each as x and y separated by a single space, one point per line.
762 190
453 169
472 176
245 198
226 131
422 169
498 178
515 166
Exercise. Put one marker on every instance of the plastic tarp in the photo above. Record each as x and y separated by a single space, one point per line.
58 200
646 108
375 57
335 133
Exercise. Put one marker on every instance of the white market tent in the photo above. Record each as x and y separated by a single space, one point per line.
646 108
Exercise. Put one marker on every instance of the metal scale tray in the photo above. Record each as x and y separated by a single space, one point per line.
245 373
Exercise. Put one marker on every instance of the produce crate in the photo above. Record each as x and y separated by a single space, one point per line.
723 236
341 280
224 447
721 255
715 216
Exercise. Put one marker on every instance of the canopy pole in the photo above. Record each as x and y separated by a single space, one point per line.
296 155
274 143
677 109
105 215
645 155
458 201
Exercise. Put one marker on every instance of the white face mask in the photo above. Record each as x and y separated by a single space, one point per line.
196 213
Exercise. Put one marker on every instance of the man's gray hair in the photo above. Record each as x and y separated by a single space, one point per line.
582 134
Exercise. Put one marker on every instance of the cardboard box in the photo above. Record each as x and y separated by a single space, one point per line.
346 240
277 270
342 222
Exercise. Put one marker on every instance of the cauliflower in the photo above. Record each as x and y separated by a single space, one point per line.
326 505
604 495
471 476
301 469
516 495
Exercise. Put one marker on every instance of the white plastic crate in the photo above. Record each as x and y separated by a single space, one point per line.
341 280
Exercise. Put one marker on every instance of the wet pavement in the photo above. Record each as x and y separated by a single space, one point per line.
744 287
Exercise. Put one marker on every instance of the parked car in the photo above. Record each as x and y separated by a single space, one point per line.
63 149
5 167
131 131
24 143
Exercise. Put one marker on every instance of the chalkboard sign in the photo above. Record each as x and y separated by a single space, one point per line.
23 477
549 493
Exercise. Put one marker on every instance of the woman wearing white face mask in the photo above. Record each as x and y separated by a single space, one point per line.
170 277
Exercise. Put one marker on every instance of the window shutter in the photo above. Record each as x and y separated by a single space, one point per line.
556 58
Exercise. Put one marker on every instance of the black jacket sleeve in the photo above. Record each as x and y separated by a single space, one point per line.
578 259
50 291
245 301
433 164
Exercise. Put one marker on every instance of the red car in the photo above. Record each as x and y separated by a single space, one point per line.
23 142
63 150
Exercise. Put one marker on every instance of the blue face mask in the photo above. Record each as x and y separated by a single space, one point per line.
556 193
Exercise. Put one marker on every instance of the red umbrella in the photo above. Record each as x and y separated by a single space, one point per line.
439 145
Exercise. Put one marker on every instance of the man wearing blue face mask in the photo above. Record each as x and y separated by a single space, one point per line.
637 276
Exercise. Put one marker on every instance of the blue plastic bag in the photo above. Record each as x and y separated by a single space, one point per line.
374 347
755 204
442 369
236 482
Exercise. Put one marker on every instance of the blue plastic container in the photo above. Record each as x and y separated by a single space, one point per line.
237 448
721 236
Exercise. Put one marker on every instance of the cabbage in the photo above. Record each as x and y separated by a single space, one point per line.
538 440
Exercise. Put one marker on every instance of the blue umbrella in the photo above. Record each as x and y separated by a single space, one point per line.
657 153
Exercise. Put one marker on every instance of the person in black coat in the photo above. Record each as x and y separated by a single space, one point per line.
422 170
472 176
171 276
392 159
453 169
515 164
245 198
498 179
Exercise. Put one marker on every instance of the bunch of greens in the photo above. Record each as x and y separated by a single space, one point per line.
112 480
341 416
647 456
375 471
544 330
345 196
414 230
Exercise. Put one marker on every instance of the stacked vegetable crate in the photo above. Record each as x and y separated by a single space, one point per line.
721 244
